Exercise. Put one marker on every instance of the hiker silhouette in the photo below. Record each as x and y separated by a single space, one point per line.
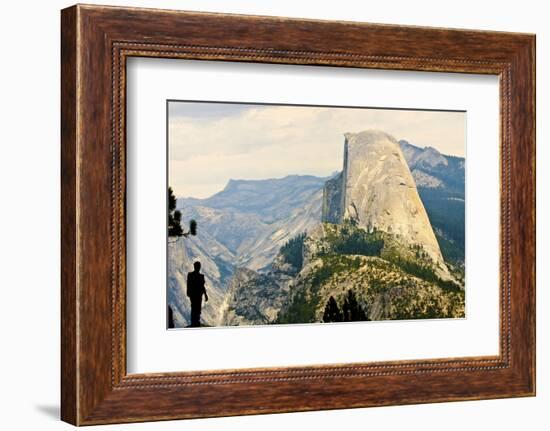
171 324
195 291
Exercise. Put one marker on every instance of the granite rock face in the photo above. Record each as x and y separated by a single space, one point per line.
379 192
254 298
332 200
425 180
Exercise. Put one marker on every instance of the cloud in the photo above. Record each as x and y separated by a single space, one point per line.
265 141
204 110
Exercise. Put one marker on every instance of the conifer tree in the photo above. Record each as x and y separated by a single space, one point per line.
174 219
352 311
332 312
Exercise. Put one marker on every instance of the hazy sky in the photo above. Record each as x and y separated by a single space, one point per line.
210 143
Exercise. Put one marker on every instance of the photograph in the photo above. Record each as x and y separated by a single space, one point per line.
302 214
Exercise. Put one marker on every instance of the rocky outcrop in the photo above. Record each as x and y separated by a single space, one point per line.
254 298
383 290
332 200
427 156
425 180
378 191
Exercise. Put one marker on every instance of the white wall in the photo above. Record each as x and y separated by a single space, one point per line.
29 228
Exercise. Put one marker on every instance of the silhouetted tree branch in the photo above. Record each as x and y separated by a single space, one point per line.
174 220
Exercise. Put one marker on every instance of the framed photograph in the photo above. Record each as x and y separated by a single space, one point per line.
264 215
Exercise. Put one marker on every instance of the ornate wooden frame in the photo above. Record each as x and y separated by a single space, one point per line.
95 43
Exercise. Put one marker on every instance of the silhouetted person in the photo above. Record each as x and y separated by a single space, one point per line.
195 290
170 318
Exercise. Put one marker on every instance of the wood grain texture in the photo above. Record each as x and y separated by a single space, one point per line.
96 41
69 397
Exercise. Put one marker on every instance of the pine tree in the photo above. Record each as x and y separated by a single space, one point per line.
332 312
352 311
293 251
174 219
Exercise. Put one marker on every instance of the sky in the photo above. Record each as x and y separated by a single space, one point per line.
210 143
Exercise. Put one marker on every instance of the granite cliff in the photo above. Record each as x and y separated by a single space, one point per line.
377 191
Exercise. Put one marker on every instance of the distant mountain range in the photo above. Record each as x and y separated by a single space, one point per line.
440 180
243 227
269 200
254 218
